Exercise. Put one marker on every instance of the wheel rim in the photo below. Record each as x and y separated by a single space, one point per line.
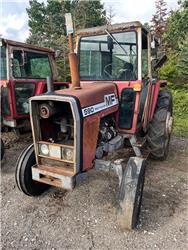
169 122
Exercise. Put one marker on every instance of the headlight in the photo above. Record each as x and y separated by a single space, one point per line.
43 148
56 152
68 154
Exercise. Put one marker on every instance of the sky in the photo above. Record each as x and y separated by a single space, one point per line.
14 20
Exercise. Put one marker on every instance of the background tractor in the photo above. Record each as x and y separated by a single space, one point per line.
113 99
24 69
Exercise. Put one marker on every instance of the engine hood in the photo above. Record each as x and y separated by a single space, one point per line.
92 93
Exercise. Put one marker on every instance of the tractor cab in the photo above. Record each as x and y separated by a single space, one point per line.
120 53
24 69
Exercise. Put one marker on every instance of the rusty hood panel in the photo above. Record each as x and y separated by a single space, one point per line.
91 93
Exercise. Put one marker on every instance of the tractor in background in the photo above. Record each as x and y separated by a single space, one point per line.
24 69
113 99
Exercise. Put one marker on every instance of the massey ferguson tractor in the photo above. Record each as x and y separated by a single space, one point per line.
113 101
24 69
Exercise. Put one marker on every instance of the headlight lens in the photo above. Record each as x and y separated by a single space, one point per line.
44 149
68 154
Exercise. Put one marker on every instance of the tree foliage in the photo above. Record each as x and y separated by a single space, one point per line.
177 27
176 39
159 19
47 24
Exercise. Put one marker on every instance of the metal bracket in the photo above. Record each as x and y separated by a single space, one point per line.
133 143
116 166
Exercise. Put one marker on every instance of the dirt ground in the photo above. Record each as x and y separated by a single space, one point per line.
86 217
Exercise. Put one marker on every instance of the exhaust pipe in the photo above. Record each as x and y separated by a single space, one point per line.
50 87
73 59
75 78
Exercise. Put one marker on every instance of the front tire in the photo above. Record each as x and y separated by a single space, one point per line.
130 193
160 128
23 174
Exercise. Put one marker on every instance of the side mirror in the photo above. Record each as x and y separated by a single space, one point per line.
158 63
154 62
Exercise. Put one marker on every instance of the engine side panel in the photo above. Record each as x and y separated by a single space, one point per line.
90 137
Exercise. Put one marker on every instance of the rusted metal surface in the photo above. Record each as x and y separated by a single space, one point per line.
25 45
73 62
63 165
91 93
55 169
53 176
90 137
70 43
112 28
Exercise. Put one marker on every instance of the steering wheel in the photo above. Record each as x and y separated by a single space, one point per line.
105 70
125 74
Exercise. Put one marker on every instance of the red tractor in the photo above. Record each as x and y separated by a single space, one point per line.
113 99
24 69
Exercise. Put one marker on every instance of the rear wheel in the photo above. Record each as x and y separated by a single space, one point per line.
160 128
23 173
130 193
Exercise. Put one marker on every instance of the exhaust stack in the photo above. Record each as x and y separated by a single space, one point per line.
50 87
73 59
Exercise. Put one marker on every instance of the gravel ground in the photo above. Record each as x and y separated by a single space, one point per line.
85 218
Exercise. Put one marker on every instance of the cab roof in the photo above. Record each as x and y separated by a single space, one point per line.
26 45
111 28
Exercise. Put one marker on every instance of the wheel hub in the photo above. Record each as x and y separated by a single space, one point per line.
169 122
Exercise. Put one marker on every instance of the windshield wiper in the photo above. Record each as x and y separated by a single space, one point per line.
115 40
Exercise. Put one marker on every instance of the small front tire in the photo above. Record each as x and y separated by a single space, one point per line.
130 193
23 174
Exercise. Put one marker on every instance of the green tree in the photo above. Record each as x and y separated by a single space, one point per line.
159 20
47 24
182 63
176 40
177 27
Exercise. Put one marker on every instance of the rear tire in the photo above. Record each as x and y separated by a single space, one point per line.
23 174
160 128
130 193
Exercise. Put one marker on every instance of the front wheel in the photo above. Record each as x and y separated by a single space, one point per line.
130 193
23 174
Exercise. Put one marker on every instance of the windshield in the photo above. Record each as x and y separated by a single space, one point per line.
28 64
109 57
3 66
